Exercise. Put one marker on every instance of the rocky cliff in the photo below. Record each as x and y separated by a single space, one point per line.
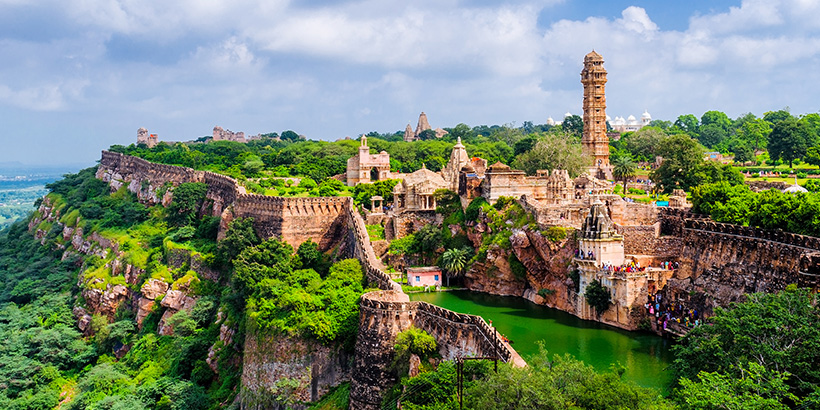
546 270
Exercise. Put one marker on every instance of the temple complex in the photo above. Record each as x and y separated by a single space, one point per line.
600 257
595 141
423 125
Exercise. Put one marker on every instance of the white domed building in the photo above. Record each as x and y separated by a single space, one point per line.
630 124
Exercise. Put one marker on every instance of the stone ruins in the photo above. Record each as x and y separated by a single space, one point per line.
220 134
143 137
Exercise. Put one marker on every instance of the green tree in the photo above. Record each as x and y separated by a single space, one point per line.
682 159
454 261
597 295
717 118
623 169
774 330
557 384
755 133
743 153
239 236
789 140
186 203
309 255
775 117
711 135
643 144
573 125
330 187
290 136
688 123
813 156
428 239
756 388
553 151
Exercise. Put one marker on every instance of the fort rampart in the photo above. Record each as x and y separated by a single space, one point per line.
331 222
719 262
384 314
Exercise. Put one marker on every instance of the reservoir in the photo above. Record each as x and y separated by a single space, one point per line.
645 356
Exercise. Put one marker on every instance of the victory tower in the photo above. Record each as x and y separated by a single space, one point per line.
595 141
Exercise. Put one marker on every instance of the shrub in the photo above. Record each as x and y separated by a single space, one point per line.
555 233
597 295
472 211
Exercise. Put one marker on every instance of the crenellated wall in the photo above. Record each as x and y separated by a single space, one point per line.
329 221
384 314
719 262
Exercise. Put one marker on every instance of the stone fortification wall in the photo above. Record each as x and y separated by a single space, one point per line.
295 219
222 190
147 180
719 263
330 222
139 168
384 314
326 220
760 186
362 249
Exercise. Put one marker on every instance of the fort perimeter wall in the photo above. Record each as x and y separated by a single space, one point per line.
719 262
329 221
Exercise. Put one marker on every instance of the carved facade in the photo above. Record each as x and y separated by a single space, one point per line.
601 257
595 141
366 167
415 191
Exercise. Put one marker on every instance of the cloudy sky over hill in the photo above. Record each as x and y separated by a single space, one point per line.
80 75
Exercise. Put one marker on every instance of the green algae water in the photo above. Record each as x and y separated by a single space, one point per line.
645 356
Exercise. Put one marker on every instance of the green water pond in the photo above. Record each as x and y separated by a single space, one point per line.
645 356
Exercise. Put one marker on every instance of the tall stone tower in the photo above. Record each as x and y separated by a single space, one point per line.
594 141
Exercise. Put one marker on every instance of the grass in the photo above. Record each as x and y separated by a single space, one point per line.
376 232
336 399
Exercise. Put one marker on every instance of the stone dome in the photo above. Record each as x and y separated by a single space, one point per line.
593 56
646 115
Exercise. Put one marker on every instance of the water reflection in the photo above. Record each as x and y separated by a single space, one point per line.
645 356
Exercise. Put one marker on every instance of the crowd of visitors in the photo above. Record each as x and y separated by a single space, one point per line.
675 312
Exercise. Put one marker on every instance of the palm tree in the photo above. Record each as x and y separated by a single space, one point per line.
454 261
623 169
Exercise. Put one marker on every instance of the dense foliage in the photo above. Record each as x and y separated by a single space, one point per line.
557 383
597 295
766 348
44 359
772 209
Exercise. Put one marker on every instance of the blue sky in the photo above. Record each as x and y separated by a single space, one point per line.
80 75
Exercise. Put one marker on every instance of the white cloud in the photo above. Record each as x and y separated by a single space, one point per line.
44 98
338 68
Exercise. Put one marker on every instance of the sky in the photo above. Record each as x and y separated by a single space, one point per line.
80 75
